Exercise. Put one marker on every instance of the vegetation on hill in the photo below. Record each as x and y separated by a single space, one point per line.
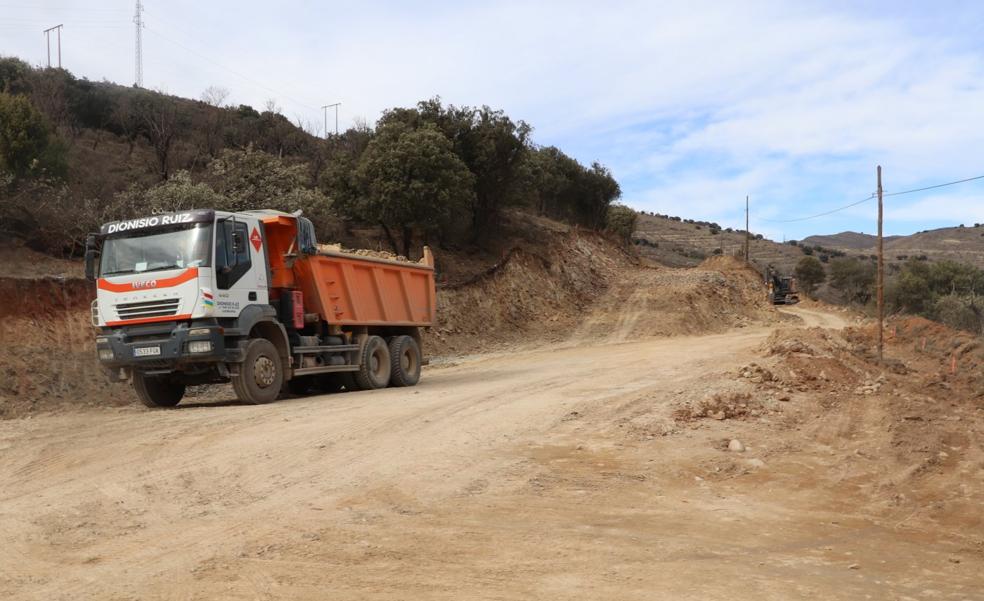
944 291
75 153
810 274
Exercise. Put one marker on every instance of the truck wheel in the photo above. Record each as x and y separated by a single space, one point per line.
404 361
157 391
347 379
374 367
261 375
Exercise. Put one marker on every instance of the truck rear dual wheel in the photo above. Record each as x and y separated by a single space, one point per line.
405 361
374 365
261 374
157 391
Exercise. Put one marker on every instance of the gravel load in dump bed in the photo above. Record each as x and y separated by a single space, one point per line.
362 252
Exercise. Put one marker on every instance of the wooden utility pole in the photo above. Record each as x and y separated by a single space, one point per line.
881 271
747 235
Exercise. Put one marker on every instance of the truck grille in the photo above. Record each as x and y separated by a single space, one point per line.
145 309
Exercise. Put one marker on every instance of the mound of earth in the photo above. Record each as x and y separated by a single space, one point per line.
906 432
580 288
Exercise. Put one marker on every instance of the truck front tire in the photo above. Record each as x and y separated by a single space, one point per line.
261 374
374 366
405 361
157 391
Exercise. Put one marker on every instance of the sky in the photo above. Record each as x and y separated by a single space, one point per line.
692 105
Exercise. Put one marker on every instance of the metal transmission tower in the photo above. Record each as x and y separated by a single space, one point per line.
47 41
326 107
138 72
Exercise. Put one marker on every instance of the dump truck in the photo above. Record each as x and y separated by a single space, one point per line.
207 296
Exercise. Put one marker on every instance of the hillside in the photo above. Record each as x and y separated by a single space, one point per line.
685 243
961 244
91 152
846 241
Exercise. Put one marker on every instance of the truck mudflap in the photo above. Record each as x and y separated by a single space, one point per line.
163 346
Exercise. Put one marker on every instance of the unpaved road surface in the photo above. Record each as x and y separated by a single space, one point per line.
539 475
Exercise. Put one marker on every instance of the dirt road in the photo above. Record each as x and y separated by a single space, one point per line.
553 474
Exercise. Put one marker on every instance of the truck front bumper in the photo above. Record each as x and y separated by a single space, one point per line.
162 346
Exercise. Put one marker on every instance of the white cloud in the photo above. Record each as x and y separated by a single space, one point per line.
692 106
955 208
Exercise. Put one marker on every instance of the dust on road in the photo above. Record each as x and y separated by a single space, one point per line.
558 473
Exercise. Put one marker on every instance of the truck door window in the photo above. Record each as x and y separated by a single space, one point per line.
232 258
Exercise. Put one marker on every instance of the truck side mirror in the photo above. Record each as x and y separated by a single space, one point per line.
91 254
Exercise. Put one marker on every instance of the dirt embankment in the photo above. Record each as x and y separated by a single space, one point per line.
583 289
905 434
47 357
556 285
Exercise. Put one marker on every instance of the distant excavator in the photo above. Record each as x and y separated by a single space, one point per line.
782 289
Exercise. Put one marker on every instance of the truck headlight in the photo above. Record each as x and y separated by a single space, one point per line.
200 346
198 332
106 354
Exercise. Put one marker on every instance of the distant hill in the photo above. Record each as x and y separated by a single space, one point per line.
963 244
846 241
684 242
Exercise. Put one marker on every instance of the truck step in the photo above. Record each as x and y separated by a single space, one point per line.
333 348
325 369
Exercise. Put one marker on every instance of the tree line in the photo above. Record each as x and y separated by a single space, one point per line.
73 152
944 291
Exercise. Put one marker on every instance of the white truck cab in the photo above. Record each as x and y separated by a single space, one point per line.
166 268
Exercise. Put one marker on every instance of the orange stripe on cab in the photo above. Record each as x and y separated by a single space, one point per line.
153 284
130 322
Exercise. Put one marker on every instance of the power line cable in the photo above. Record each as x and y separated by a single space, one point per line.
233 71
70 8
830 212
179 30
853 204
68 21
959 181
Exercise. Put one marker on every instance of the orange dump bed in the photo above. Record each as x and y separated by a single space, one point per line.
348 289
353 290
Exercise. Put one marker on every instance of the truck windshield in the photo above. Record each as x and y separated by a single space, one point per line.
157 249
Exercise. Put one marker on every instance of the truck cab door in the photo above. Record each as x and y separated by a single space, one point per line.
240 266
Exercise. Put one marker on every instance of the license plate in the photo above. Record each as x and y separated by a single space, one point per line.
147 351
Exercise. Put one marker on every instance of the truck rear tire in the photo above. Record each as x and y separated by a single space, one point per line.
157 391
374 365
348 381
261 374
405 361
